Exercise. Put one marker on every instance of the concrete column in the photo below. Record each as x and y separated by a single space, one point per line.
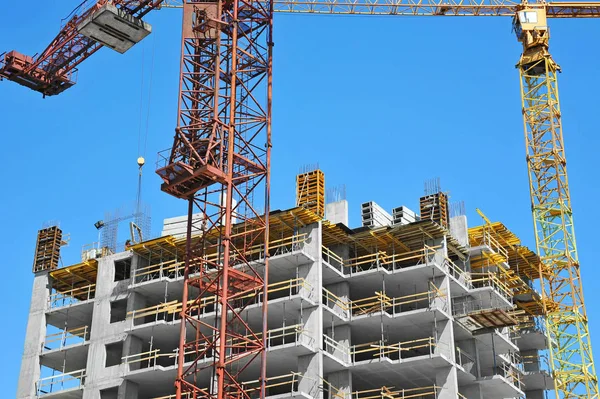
441 252
311 272
35 337
337 212
341 250
459 229
135 301
311 366
534 395
102 331
447 380
468 347
342 291
133 345
312 324
343 336
444 334
472 392
443 330
342 381
128 390
530 365
311 369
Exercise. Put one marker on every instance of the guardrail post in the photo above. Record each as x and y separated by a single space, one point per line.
399 350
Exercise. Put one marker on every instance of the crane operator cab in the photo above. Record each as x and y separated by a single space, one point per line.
531 27
114 28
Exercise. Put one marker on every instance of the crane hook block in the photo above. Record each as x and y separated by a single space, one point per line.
114 28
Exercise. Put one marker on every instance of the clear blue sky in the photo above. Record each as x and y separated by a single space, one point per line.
381 103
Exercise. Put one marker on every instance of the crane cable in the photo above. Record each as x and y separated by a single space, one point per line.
142 152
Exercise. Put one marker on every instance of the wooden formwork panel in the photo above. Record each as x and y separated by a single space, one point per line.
434 207
47 249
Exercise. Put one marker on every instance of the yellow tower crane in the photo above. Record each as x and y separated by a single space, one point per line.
567 324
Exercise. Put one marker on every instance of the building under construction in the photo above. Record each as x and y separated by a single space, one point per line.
409 305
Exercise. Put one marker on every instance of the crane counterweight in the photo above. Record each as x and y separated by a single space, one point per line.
114 28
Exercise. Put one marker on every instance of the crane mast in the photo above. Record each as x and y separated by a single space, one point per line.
220 163
566 319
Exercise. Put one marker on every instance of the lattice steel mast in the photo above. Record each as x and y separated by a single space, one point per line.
219 163
566 321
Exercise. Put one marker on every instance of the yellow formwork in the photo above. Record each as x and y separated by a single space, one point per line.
310 191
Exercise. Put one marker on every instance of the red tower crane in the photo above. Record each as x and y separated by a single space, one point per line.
219 163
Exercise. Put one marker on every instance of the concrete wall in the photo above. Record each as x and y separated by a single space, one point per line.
337 212
34 340
103 332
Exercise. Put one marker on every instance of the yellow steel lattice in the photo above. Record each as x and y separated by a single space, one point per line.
567 324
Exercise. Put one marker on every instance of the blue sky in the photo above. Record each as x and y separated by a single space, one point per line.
381 103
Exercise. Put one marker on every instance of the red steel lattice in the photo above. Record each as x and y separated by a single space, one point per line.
220 163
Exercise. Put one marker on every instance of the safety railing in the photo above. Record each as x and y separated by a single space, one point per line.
71 297
287 244
148 359
534 363
534 324
480 280
174 268
170 311
280 336
510 373
332 259
383 303
169 269
380 302
513 359
66 337
336 349
335 303
60 382
463 359
380 259
154 358
430 392
277 385
167 311
400 350
459 274
490 241
275 338
379 349
282 384
412 258
365 262
470 306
